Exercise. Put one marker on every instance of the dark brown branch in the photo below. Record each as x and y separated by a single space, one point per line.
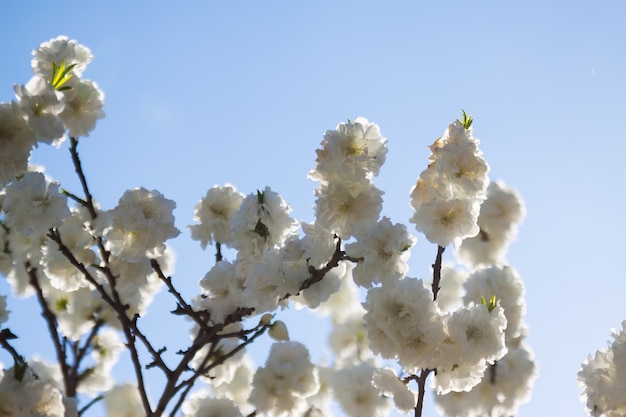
5 336
202 370
81 176
69 380
200 317
218 252
437 272
421 390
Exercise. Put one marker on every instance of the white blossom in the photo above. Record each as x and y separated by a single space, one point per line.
354 151
200 404
390 385
500 216
355 393
28 396
215 212
16 141
58 50
141 222
123 401
347 208
224 289
83 110
447 221
504 386
33 204
288 377
508 288
262 222
448 194
41 107
403 322
383 252
602 378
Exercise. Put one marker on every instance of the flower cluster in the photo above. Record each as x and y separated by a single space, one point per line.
347 200
602 378
55 101
94 272
448 194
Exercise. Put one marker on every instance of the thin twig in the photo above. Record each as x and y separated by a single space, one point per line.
51 321
437 272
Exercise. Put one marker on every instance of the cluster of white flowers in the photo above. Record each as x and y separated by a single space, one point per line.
95 272
602 378
500 216
347 200
286 380
55 101
506 383
24 394
449 192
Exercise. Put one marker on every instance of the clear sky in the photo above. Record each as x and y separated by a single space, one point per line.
204 93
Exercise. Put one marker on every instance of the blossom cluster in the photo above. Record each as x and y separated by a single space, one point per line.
449 193
95 271
602 378
55 102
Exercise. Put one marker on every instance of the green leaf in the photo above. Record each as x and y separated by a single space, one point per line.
493 303
467 120
19 370
60 75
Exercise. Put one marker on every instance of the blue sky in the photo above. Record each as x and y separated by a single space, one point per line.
204 93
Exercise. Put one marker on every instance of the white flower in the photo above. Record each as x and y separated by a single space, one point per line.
33 204
355 151
215 213
383 252
447 221
58 50
239 386
403 322
200 404
224 291
29 396
602 378
141 222
288 377
41 106
83 110
449 192
16 141
347 208
390 385
318 243
349 343
503 388
508 288
319 293
355 393
262 222
500 215
478 332
124 401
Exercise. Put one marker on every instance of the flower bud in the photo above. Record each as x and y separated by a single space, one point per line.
278 331
265 319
